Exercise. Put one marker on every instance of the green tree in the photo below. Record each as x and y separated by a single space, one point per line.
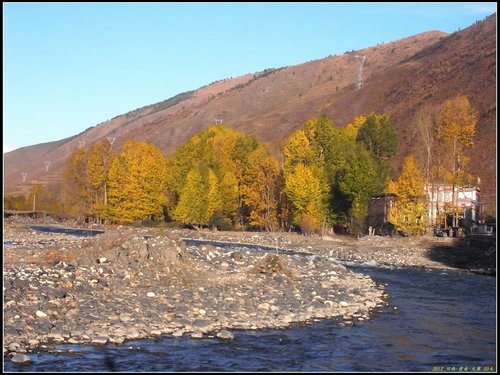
378 135
358 182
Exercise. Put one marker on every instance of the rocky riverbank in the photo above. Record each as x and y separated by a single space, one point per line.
426 251
140 283
132 283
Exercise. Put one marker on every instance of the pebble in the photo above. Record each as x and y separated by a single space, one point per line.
120 287
40 314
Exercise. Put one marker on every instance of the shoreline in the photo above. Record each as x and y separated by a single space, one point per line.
139 283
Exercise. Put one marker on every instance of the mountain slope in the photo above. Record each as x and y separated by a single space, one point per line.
395 78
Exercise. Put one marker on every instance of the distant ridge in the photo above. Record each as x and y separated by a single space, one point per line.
398 77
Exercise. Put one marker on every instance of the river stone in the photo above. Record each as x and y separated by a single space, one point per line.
9 330
100 340
225 335
20 358
197 335
199 323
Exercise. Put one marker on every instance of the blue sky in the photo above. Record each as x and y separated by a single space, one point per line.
70 66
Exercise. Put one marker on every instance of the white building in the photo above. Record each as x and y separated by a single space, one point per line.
439 195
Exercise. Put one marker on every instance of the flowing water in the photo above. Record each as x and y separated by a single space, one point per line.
435 321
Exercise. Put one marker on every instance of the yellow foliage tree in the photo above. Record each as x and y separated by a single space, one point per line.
304 191
229 192
456 128
351 130
192 206
409 213
297 150
98 162
260 188
75 184
214 197
222 150
137 183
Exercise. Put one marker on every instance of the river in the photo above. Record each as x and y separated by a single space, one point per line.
435 321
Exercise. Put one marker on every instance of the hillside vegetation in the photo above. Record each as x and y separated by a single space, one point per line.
403 79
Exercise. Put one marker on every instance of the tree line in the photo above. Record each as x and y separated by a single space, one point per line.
319 177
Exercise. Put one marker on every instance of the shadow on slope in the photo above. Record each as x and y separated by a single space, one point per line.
478 257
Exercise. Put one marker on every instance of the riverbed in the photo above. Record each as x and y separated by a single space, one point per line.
435 321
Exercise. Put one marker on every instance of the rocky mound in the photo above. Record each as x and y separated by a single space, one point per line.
134 283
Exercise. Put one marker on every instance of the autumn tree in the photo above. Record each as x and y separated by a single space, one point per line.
297 151
230 199
409 211
137 183
314 147
192 206
304 191
76 193
260 188
351 129
457 127
225 152
98 162
16 202
213 213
